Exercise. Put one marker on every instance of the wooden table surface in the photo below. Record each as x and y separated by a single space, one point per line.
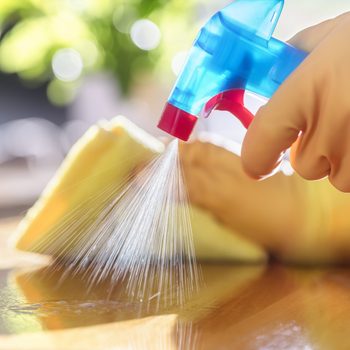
237 307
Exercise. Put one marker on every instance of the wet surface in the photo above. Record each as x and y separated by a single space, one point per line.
251 307
237 307
41 300
42 295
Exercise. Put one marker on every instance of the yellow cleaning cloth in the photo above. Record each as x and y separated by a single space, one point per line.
93 171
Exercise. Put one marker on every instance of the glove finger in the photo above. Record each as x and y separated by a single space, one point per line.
274 129
277 125
265 144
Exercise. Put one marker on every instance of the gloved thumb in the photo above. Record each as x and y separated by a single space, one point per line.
274 129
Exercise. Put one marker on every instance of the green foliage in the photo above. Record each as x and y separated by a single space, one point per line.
32 31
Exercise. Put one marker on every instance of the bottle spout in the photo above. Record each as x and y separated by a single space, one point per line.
177 122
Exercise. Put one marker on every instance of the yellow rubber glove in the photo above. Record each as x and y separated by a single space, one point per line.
294 220
310 112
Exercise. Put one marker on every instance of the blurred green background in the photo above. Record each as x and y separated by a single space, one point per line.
60 41
65 64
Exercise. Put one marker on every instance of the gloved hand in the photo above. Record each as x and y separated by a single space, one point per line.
265 212
293 219
310 112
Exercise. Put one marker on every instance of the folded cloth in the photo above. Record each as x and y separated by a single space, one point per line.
92 173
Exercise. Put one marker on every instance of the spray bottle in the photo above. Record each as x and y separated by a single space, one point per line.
233 53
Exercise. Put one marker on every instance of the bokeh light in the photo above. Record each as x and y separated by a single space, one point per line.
67 64
178 62
145 34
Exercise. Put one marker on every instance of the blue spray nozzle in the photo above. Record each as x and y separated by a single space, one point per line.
233 52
